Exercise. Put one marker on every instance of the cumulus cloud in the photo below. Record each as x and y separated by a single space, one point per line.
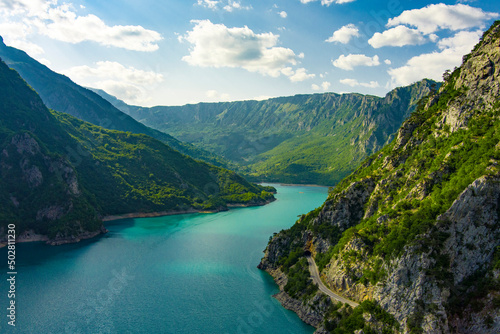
324 85
398 36
432 65
215 45
440 16
353 60
328 2
228 6
127 83
356 83
61 22
216 96
344 34
300 75
283 14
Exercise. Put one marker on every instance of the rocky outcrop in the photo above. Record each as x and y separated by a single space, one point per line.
470 227
311 312
346 209
421 219
24 160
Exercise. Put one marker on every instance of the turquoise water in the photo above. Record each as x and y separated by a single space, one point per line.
177 274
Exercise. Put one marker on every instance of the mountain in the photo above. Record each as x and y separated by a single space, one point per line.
61 175
58 92
316 138
413 234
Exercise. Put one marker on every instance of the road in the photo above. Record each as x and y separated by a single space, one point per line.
313 269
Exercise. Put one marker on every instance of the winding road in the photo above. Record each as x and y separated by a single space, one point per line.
313 269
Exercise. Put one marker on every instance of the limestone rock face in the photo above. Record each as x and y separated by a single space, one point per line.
346 209
24 159
420 220
471 225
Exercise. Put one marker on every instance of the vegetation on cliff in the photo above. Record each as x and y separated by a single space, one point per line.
415 228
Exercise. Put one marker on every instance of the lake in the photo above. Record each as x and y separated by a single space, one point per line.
193 273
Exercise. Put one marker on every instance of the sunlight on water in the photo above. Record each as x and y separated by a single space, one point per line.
175 274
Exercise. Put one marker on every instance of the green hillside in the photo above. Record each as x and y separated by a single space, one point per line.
415 229
316 138
60 175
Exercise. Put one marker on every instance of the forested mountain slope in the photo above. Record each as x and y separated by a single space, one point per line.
414 233
316 138
60 175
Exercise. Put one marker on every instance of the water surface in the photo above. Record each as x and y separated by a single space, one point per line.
191 273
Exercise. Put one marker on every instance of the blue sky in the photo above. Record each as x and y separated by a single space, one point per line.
187 51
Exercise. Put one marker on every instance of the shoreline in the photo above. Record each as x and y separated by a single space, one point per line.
151 214
173 213
31 236
302 185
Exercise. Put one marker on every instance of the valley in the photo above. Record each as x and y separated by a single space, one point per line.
305 139
217 217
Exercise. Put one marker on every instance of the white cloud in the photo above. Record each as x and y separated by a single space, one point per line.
324 85
228 6
300 75
388 62
328 2
262 97
283 14
215 45
355 83
127 83
344 34
216 96
353 60
110 69
14 34
463 41
124 91
398 36
62 23
440 16
432 65
212 4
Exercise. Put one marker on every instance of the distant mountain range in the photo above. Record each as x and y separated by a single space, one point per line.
316 139
61 175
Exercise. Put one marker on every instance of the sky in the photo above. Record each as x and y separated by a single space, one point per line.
175 52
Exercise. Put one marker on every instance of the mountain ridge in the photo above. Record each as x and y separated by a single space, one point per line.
279 139
412 234
60 93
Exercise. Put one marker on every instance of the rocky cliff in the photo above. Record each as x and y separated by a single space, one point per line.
415 229
279 139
